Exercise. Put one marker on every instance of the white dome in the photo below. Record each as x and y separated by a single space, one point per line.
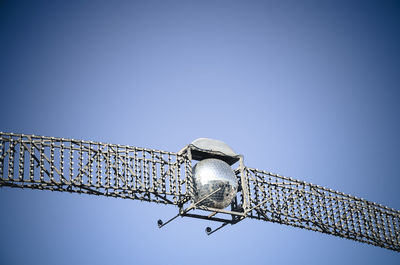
213 145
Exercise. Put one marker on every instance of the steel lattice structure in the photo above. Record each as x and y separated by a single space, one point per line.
57 164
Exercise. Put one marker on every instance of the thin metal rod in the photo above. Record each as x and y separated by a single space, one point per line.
209 231
161 223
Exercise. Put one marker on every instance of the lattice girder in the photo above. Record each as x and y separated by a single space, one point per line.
297 203
58 164
28 161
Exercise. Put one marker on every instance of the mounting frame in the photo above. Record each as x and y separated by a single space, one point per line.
239 206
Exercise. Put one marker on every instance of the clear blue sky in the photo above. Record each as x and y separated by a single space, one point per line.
307 89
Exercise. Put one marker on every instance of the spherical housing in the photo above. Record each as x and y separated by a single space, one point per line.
210 175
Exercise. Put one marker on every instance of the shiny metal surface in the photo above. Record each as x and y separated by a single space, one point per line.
210 175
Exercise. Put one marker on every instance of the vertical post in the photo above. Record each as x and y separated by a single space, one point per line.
245 181
21 159
189 178
2 155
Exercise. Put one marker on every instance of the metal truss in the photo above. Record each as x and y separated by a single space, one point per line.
297 203
57 164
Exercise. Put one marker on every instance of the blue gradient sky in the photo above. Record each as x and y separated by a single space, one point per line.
307 89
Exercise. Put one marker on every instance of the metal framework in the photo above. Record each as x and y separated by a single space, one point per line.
58 164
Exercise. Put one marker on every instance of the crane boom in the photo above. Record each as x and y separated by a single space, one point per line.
58 164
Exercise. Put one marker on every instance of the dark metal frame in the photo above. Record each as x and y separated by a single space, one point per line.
67 165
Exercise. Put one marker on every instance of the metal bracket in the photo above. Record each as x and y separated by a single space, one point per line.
181 213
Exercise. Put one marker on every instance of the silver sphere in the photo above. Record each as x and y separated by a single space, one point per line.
210 175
